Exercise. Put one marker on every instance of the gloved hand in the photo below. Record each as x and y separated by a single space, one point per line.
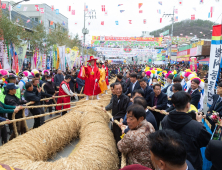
96 80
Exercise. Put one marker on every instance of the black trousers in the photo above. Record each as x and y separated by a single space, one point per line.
3 134
159 117
117 132
50 102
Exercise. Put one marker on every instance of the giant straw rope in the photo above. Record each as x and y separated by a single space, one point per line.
96 148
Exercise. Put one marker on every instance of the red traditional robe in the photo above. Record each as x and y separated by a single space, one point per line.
107 75
63 99
92 88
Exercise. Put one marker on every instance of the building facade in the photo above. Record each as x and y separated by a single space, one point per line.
49 17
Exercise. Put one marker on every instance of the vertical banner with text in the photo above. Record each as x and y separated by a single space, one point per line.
215 58
21 52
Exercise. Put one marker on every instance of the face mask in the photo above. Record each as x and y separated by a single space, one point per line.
30 80
49 80
1 81
154 83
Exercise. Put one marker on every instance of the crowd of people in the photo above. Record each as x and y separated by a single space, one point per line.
158 109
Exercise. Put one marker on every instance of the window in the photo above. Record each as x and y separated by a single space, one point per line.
35 19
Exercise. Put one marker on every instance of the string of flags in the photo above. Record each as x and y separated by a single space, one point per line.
103 8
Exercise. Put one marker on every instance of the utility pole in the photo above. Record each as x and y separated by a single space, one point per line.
87 14
172 19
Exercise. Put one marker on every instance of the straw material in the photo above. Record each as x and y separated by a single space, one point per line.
96 149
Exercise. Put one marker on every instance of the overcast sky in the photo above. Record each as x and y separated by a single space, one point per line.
149 8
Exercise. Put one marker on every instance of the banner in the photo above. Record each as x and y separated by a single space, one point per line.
44 61
193 64
165 33
21 53
214 65
35 58
39 61
62 57
111 38
6 64
73 55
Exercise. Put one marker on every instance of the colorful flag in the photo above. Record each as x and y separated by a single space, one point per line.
117 22
25 8
52 7
57 11
28 20
3 6
37 7
130 21
160 2
10 8
106 13
42 10
140 11
121 11
73 12
103 8
211 9
69 8
176 11
140 5
63 23
209 14
51 22
201 1
120 4
85 7
160 20
193 17
159 11
144 21
180 2
40 21
102 22
19 6
176 18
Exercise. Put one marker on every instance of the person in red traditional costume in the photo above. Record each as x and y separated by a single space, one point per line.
107 73
64 89
92 76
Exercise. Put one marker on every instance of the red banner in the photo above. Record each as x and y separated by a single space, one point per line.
111 38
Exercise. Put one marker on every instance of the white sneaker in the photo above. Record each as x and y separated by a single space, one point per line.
97 97
87 97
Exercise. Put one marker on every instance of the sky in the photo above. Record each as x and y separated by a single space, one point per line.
124 29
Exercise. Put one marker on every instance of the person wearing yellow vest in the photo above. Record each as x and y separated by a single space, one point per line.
2 95
102 80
